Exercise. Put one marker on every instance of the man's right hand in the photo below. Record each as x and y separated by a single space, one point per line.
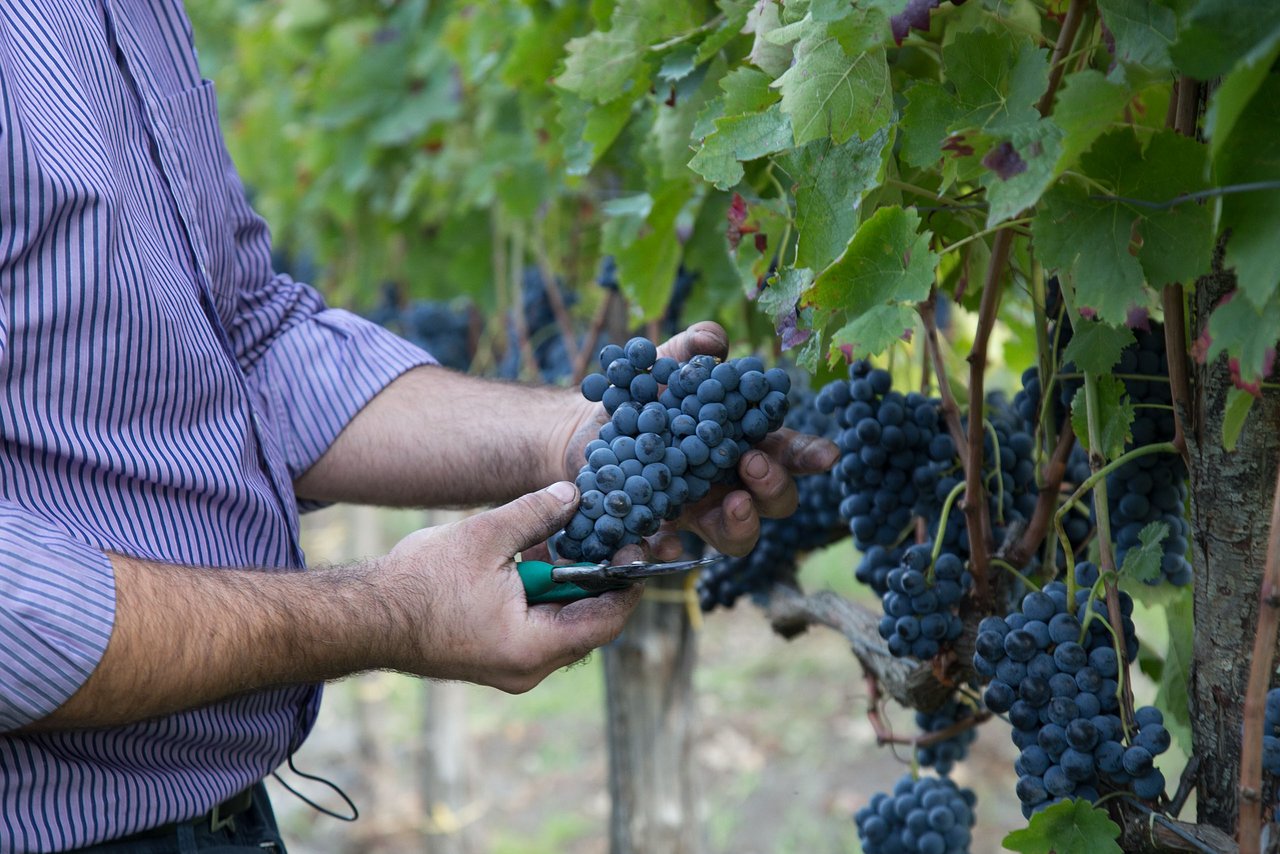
456 590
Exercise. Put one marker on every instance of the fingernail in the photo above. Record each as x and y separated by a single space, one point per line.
563 490
758 465
820 455
743 511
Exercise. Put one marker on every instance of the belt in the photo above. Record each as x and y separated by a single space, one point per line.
221 815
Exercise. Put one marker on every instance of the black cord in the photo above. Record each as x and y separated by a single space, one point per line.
355 813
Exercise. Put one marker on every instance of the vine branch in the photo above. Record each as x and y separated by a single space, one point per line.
1249 825
1046 502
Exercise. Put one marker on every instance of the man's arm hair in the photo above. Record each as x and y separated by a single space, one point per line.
186 637
438 438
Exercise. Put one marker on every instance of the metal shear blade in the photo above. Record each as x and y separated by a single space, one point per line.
603 576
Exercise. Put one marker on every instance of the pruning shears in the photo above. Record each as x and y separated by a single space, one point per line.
547 582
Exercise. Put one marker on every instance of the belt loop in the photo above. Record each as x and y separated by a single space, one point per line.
217 820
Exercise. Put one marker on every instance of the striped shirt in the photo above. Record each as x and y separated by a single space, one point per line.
160 387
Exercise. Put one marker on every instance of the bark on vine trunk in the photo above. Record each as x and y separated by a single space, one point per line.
1230 505
650 714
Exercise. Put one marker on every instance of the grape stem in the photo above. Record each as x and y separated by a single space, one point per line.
942 526
1061 54
1008 567
1046 502
1106 558
1182 112
950 410
1260 669
999 471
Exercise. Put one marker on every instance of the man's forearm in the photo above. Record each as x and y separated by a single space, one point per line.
187 637
437 438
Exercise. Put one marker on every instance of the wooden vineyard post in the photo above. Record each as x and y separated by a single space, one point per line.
650 720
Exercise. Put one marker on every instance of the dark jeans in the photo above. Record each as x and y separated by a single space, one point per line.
255 830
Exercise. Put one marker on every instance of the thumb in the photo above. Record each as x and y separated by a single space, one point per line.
530 519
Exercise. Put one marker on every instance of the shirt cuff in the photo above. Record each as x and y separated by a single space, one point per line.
319 374
57 607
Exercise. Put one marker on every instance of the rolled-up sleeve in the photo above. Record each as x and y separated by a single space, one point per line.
57 605
320 372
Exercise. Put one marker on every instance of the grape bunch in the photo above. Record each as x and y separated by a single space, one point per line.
885 436
920 604
1152 488
930 815
1056 679
943 755
674 431
815 523
1271 733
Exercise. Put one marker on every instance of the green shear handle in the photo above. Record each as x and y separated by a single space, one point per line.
540 588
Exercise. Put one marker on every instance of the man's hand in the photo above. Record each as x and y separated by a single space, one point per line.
471 621
728 519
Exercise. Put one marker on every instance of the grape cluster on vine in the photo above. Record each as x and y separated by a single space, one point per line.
929 815
1055 674
675 429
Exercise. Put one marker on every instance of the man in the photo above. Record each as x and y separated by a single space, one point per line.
167 400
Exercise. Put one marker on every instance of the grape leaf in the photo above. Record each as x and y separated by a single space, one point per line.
930 110
641 237
1142 563
1245 333
827 93
873 331
1216 34
1115 417
1088 243
1143 31
670 135
1068 827
1177 243
589 129
1095 346
739 138
887 262
830 183
1236 90
1085 106
784 291
1172 692
1036 148
767 54
1254 217
607 64
998 79
735 18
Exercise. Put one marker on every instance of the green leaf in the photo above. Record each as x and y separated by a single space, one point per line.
1177 243
646 250
602 66
1085 106
828 94
874 330
1233 94
589 129
1030 155
739 138
997 78
1254 217
1142 563
886 262
678 64
671 133
1115 417
830 183
1216 34
607 64
1143 31
1246 333
772 57
735 18
1095 346
1069 827
931 109
784 291
1172 693
1088 243
1239 402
